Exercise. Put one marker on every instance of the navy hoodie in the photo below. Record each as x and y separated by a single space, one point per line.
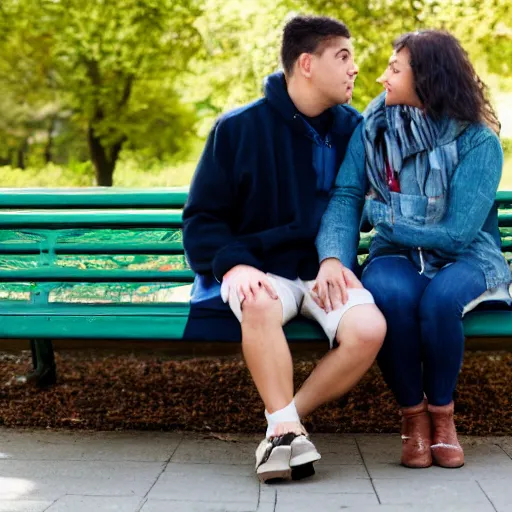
261 187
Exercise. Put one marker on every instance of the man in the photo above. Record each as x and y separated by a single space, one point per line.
254 209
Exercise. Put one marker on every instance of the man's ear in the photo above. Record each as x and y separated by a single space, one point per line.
304 64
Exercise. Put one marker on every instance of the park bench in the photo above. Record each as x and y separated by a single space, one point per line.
108 264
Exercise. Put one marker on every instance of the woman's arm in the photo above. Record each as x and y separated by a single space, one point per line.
338 236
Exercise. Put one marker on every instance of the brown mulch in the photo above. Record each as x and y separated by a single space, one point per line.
147 392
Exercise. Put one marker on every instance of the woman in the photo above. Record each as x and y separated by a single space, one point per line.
422 169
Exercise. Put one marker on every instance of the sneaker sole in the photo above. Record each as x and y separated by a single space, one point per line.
302 463
304 471
304 458
277 467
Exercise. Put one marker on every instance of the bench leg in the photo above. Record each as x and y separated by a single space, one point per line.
43 360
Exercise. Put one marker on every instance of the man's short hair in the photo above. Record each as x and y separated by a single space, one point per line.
308 34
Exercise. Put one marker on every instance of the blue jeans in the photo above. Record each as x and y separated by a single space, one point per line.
424 345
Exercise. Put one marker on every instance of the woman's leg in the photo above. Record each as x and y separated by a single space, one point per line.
442 333
442 338
397 289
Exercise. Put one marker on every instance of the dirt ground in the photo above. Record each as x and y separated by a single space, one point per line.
148 392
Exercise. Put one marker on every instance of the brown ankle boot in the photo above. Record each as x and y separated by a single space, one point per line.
416 436
446 450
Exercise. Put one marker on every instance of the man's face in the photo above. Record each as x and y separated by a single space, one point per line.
333 70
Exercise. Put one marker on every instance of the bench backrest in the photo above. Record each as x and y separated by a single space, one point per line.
78 245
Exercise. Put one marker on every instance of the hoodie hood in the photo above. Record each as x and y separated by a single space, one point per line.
345 118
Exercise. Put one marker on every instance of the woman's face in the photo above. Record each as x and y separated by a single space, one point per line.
398 80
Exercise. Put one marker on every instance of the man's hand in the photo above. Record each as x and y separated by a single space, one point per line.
247 281
330 291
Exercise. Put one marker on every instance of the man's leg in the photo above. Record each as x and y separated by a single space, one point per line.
266 351
269 361
359 335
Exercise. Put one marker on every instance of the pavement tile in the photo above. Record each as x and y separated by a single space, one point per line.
24 506
506 445
105 446
499 492
96 503
46 471
330 480
196 506
466 507
214 451
380 449
470 471
267 493
438 492
337 449
52 479
304 502
208 483
489 454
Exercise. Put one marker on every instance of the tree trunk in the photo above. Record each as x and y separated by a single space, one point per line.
20 154
49 142
103 165
104 158
10 155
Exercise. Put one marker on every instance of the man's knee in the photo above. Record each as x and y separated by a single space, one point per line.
261 310
362 328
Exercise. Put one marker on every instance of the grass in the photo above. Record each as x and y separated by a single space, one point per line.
129 174
506 179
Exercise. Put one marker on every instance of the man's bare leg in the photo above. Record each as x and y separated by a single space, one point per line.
266 350
360 335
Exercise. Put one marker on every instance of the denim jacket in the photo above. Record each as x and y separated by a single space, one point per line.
467 231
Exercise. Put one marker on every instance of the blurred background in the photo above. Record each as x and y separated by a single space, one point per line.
124 92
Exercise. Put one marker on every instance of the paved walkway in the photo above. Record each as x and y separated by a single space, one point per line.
166 472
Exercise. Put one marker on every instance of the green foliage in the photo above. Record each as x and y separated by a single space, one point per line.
146 78
111 67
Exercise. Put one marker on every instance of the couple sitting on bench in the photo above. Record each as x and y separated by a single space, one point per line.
272 224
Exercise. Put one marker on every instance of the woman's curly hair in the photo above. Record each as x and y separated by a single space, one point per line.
446 81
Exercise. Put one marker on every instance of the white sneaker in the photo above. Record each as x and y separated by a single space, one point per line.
273 458
303 452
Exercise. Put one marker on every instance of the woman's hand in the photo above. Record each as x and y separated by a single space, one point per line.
247 282
330 290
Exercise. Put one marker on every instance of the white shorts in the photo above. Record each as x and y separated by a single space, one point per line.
296 298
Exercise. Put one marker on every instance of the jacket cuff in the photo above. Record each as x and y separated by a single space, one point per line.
230 257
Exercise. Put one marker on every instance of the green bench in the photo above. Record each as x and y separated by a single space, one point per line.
109 264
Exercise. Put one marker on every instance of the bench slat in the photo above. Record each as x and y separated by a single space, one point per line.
108 197
65 274
95 197
144 309
172 326
118 218
97 218
171 248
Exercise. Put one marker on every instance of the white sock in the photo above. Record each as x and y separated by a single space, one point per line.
287 414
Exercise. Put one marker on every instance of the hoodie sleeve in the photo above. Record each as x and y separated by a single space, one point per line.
210 245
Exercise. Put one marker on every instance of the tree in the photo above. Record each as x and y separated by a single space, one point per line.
102 59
